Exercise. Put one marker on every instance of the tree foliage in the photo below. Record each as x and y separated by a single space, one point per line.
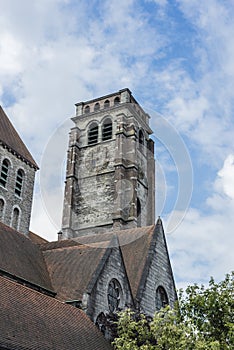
204 320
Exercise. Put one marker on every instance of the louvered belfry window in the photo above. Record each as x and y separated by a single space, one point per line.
93 134
4 172
19 182
107 130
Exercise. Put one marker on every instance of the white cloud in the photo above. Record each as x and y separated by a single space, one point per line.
202 246
226 176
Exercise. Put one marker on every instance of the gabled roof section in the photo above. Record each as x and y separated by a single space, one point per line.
74 264
71 267
33 321
21 258
11 139
136 254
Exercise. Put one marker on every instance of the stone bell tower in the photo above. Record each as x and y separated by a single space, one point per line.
110 176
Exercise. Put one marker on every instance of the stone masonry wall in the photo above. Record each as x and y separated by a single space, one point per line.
113 268
12 200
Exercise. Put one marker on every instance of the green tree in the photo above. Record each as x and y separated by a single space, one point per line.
203 321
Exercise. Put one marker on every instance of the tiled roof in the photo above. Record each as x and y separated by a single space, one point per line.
72 263
71 268
10 138
33 321
22 258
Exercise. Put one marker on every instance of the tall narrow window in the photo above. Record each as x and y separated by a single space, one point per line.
138 213
4 172
161 298
116 101
141 138
107 130
19 182
114 295
106 104
15 218
93 134
2 204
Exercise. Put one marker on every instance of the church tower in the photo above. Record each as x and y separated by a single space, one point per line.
17 173
110 175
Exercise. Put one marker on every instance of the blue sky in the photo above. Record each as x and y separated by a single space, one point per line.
177 58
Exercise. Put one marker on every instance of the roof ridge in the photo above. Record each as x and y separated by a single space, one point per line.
10 138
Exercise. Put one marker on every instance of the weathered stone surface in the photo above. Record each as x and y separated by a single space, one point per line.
7 193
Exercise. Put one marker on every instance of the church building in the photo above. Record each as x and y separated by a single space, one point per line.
110 253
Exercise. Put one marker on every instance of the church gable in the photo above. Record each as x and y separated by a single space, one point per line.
157 286
111 291
17 173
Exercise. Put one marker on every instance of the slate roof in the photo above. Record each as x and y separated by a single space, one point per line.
72 263
10 138
22 258
71 268
33 321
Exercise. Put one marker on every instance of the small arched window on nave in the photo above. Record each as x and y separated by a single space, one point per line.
161 299
15 218
4 172
93 134
19 182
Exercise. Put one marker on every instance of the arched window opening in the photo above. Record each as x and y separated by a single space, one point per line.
114 295
107 130
101 322
161 298
96 107
93 134
15 218
138 212
4 172
19 182
141 138
116 101
87 109
2 204
106 104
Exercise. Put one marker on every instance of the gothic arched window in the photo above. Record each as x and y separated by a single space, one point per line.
2 204
106 104
114 295
87 109
116 100
107 130
4 172
96 107
19 182
161 298
101 322
15 218
93 134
